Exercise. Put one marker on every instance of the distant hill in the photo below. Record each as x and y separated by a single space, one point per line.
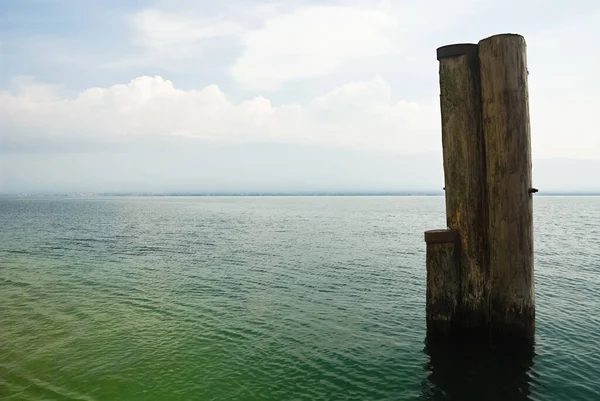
566 175
204 167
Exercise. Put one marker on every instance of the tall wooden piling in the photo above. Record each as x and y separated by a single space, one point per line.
505 106
443 282
464 174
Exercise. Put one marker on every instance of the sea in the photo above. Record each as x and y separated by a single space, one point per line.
272 298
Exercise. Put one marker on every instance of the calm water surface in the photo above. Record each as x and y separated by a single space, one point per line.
286 298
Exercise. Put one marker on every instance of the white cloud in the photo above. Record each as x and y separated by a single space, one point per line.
310 41
360 114
292 42
170 34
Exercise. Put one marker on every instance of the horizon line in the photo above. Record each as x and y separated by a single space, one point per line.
89 194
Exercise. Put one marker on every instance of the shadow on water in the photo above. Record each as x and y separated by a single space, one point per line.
468 371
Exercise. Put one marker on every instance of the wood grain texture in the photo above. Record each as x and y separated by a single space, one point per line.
443 282
505 110
464 174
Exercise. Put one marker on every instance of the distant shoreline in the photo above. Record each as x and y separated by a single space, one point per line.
270 194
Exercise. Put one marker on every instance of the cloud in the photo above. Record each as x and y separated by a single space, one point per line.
178 34
359 114
279 44
174 40
289 42
308 42
282 43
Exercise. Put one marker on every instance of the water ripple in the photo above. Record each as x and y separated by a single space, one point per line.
271 298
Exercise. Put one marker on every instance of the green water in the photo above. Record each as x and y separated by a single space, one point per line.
286 298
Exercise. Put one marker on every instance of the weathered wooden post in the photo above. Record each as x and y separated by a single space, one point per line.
488 287
505 105
464 175
443 282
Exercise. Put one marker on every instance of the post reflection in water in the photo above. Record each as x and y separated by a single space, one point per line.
466 371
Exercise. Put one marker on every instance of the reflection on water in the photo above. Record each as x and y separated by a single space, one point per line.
468 371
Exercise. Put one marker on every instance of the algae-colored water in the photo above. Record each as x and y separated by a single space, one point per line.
271 298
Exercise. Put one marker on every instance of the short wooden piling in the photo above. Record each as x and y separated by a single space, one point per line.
464 175
443 281
505 106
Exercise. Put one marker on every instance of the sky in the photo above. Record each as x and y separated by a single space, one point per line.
177 95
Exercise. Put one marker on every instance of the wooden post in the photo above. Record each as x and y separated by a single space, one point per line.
503 66
443 281
464 174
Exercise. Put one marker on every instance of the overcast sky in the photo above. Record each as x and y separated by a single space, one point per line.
257 95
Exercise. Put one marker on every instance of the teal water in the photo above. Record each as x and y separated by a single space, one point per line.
291 298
